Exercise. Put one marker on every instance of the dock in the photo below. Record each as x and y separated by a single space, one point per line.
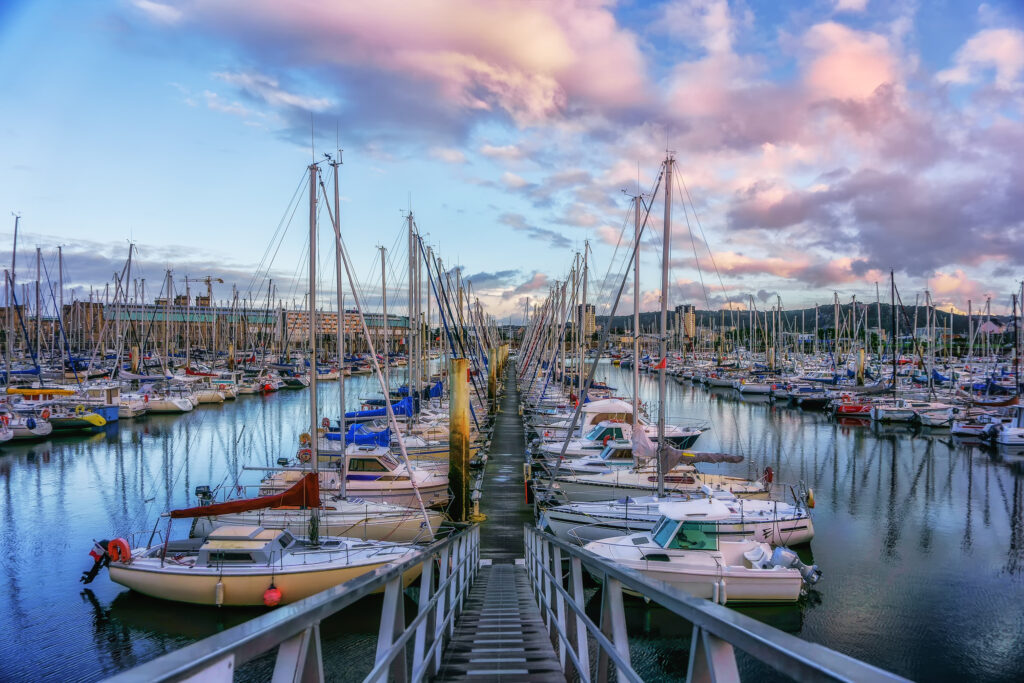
501 601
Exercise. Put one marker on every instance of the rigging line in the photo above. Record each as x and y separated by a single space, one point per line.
282 224
707 245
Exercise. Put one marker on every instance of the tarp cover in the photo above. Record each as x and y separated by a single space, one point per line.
304 494
362 435
645 449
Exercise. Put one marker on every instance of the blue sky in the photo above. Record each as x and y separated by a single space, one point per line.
823 143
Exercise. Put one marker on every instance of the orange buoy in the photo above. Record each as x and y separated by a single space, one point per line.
119 550
45 414
272 596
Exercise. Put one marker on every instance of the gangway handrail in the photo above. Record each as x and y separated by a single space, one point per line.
451 564
716 628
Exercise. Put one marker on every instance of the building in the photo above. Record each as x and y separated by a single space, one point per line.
587 320
686 321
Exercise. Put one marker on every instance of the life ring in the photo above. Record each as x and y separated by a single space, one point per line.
305 454
45 414
222 387
769 475
6 419
305 439
325 423
119 550
79 409
607 438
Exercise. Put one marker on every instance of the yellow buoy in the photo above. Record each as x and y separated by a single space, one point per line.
810 498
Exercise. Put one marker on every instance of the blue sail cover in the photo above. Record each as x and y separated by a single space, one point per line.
362 435
403 408
437 390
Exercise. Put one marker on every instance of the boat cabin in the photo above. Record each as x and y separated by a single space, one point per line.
690 525
608 429
237 544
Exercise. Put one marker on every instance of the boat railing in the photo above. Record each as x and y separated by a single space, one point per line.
555 569
404 651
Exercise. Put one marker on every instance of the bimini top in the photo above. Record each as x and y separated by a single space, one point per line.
696 510
608 405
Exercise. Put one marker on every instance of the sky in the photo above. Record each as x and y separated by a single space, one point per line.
817 145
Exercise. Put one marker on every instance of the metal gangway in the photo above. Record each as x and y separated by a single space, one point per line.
515 621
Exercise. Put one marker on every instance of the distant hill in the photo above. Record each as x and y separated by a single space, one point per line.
826 318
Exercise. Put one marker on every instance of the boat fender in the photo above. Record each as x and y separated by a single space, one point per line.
145 398
272 596
325 423
607 438
769 475
6 419
222 387
810 498
305 454
30 423
45 414
100 559
721 592
218 593
119 550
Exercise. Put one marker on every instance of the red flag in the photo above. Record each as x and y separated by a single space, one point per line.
662 364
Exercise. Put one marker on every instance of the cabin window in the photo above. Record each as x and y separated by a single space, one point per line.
220 557
663 531
595 433
696 536
366 465
617 433
389 461
621 454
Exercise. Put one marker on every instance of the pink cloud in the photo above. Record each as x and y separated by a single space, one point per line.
531 61
1000 49
845 63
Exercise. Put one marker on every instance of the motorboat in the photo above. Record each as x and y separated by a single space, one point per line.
685 550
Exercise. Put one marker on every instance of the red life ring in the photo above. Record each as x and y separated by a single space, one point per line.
119 550
222 387
6 419
305 454
45 414
607 438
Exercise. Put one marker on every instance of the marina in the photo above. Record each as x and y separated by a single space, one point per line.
529 342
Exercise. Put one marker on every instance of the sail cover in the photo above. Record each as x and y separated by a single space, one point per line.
645 449
304 494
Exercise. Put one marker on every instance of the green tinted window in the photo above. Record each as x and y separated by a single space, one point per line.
663 531
696 536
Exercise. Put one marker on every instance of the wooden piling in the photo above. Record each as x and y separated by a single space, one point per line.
492 379
458 439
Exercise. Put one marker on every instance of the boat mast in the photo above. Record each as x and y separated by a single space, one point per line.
663 338
384 304
341 309
10 301
892 298
314 516
636 307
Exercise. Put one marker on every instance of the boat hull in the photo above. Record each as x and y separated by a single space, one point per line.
199 587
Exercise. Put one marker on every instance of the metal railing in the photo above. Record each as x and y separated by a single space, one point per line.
717 630
448 569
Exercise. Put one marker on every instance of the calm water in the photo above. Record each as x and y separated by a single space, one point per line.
920 539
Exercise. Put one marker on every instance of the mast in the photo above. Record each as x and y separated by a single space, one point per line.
314 516
341 309
585 343
892 298
662 345
10 301
39 321
636 307
384 304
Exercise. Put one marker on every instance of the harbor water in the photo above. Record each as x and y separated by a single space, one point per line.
920 537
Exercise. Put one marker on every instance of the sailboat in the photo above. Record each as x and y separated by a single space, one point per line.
240 565
237 564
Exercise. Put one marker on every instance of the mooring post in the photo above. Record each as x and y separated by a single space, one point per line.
458 439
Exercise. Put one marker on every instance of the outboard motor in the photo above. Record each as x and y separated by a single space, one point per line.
100 559
784 557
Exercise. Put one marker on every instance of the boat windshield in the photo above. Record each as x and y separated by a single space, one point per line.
696 536
664 530
595 433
